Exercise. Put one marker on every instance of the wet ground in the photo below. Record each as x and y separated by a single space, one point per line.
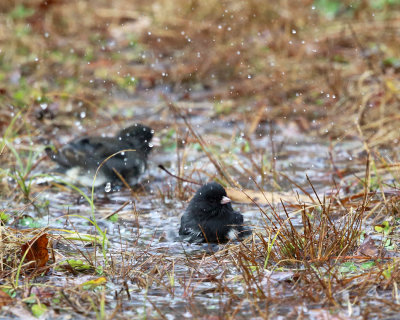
295 99
184 280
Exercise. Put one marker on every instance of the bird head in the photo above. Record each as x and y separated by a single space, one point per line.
138 136
210 199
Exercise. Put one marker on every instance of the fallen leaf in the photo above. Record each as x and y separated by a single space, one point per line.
263 198
368 248
38 310
385 228
5 299
92 284
37 251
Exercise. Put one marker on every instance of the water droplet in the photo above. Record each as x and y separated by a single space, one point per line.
107 188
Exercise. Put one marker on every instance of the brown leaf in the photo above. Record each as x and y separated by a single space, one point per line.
37 251
368 248
5 299
263 198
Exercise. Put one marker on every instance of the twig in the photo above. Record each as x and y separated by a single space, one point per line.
176 177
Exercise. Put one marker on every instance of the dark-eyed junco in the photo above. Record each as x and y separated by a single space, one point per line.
211 218
80 158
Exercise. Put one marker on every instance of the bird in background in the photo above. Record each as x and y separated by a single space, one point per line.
210 217
80 158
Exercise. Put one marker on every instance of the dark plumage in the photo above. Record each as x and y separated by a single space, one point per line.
211 218
80 158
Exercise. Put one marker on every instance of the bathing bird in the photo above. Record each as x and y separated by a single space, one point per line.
80 158
210 217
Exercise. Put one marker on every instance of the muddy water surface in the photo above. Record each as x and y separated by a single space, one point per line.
144 251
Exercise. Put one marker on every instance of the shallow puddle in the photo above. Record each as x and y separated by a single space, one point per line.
185 280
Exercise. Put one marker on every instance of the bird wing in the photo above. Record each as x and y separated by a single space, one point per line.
85 152
190 230
237 223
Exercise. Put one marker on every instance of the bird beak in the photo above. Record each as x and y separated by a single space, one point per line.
156 142
225 200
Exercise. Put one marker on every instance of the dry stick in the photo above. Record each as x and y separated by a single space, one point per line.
334 167
157 309
200 140
116 211
367 182
257 119
116 310
259 207
323 205
133 193
321 282
176 177
369 154
73 305
358 218
315 192
329 207
126 287
273 162
298 186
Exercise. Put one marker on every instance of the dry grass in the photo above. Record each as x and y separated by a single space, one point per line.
78 66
